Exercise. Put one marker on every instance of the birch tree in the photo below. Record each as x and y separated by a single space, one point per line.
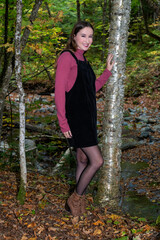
23 169
108 187
8 66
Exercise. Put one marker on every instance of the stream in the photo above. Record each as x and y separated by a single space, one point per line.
135 201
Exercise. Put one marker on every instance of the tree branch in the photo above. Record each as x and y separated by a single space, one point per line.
31 18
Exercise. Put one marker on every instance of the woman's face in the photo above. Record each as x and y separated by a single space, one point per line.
84 38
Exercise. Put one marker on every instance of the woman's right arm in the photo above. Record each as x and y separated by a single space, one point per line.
62 73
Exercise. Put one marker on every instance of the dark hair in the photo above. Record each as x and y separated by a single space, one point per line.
77 27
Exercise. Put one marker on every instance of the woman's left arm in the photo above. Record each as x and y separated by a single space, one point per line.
106 74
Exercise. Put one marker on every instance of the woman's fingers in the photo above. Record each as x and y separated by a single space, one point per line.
68 134
110 62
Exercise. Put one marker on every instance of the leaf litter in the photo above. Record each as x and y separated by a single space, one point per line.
43 216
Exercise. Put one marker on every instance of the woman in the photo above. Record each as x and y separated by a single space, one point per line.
75 98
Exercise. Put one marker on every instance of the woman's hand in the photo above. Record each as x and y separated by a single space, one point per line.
68 134
110 62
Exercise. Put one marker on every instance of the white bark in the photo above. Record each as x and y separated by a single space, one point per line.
108 189
61 162
21 94
8 73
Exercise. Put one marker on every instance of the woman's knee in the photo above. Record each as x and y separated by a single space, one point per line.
81 157
99 162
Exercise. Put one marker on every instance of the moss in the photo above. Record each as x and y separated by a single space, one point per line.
22 193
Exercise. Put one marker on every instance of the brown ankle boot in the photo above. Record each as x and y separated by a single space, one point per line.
74 203
83 204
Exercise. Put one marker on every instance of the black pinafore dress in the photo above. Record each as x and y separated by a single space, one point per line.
81 111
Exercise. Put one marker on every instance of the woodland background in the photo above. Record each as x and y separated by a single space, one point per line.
43 215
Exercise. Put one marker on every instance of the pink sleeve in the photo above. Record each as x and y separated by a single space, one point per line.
102 79
63 71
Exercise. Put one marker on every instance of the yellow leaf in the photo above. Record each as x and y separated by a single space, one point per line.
24 237
65 219
29 27
114 217
97 232
98 223
31 225
10 49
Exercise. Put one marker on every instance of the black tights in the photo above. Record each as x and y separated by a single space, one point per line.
89 160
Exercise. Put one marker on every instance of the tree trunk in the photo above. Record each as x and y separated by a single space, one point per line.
143 3
8 69
104 20
4 88
78 11
108 187
18 64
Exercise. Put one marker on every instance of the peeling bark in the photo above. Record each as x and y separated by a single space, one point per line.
108 187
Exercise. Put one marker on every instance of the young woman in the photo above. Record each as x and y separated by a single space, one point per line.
75 98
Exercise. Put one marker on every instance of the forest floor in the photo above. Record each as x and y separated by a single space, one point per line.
43 216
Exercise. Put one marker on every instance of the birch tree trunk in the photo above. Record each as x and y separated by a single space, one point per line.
23 168
104 20
108 187
8 68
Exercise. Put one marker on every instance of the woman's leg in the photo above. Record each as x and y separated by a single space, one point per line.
95 161
82 162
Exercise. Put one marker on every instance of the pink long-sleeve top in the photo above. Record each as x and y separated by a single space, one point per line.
66 74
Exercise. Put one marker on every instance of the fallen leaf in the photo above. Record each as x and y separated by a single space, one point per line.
114 217
87 231
31 225
40 229
97 232
98 223
75 220
24 237
52 229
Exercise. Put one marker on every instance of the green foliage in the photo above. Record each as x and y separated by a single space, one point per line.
143 61
123 238
158 221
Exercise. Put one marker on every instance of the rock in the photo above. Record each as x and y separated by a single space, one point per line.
3 146
50 109
146 129
151 120
156 128
44 100
128 143
36 98
42 110
144 135
132 110
124 124
142 119
128 118
30 145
